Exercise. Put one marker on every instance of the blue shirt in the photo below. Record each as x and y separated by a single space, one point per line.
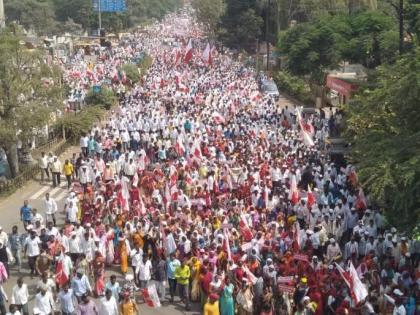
26 213
172 265
66 301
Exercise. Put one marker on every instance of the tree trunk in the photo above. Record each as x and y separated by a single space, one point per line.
12 159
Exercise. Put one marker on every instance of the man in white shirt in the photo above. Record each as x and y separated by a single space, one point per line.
4 238
136 256
71 212
20 296
31 245
43 164
44 302
108 304
56 171
50 208
144 272
67 300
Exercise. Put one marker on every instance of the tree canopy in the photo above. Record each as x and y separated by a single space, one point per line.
369 38
383 127
30 92
48 16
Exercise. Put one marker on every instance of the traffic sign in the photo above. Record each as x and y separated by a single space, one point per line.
109 6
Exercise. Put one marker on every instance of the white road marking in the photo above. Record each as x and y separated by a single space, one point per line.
40 192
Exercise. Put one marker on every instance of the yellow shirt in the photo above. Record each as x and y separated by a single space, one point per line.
211 309
182 275
68 169
128 308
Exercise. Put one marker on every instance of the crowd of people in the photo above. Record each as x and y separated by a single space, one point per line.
214 195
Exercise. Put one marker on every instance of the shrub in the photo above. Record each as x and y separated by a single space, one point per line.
131 71
293 86
78 124
106 98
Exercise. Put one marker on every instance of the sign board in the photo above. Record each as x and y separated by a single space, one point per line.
109 6
227 226
96 89
286 288
285 279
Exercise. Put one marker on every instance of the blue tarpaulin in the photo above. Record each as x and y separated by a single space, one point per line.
109 5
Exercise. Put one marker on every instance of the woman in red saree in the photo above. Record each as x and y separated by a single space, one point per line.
98 265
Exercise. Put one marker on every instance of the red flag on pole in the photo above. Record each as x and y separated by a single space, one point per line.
294 192
188 53
311 197
207 55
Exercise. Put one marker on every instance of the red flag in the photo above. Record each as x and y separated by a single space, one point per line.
358 290
294 192
151 297
177 57
361 203
311 197
207 55
188 53
60 275
245 229
179 147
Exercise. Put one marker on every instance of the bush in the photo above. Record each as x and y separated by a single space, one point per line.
293 86
106 98
78 124
131 71
145 63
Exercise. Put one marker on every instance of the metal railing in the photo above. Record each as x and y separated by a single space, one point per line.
29 172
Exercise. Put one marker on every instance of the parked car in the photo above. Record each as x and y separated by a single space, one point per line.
269 87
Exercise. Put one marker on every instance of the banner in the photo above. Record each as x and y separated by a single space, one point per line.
286 288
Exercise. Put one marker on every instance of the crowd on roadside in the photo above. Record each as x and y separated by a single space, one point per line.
208 191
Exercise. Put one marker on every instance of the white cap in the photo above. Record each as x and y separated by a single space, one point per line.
129 277
398 292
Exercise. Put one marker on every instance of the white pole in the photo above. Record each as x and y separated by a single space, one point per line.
2 17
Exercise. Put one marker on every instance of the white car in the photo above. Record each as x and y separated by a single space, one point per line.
269 87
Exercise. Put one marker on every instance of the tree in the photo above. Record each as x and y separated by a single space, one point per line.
35 14
385 134
209 13
29 94
313 47
241 24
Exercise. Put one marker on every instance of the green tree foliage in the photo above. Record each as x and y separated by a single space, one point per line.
383 126
369 38
131 71
26 100
79 124
48 16
241 25
293 86
209 13
311 47
36 14
106 98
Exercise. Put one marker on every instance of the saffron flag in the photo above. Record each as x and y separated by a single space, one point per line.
304 129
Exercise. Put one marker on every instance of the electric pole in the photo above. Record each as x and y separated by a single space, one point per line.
2 16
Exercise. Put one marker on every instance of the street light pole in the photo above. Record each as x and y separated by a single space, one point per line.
2 17
99 17
267 17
